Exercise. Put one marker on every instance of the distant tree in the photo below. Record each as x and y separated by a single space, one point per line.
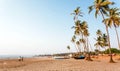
114 50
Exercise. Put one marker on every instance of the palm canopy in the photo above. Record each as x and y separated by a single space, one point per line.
80 27
73 38
99 33
101 39
77 12
113 18
101 6
86 33
105 41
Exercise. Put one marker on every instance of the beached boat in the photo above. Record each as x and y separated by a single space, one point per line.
61 57
80 57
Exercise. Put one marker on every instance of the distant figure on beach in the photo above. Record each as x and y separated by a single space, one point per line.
20 58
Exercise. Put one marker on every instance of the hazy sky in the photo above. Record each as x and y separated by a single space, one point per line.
43 26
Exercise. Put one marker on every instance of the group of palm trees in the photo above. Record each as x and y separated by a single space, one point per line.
81 33
110 17
101 40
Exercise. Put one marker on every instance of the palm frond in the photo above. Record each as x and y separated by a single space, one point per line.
90 8
104 11
96 13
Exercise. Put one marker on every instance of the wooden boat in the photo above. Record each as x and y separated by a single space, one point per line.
80 57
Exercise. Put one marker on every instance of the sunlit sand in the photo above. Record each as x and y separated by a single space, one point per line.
100 63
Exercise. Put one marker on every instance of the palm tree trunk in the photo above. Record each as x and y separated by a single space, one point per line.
108 38
79 48
111 59
87 44
90 45
88 51
84 45
117 37
76 48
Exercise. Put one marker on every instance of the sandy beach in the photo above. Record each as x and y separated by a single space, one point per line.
49 64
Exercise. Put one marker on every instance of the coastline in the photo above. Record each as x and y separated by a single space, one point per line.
49 64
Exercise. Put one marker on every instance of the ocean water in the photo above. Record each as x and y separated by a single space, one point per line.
14 56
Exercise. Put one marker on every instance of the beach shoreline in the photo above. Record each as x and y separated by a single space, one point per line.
49 64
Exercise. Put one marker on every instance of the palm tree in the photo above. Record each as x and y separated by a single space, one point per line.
102 7
77 12
99 39
68 47
99 33
98 44
105 41
86 34
114 19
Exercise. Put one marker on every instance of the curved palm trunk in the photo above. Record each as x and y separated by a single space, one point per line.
111 59
76 48
87 45
90 45
88 51
99 49
83 43
117 37
108 38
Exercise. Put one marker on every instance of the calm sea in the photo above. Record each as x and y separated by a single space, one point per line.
14 56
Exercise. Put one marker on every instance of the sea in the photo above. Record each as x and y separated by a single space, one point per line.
15 56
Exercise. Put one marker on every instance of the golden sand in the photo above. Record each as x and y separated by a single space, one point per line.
100 63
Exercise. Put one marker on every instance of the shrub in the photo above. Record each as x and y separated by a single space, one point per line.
113 50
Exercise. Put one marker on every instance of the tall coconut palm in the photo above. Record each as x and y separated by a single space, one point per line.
77 12
102 7
114 19
86 34
83 26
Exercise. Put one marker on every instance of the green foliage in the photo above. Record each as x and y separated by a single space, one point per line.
68 47
113 50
